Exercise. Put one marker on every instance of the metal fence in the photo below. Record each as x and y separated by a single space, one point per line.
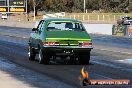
85 17
101 17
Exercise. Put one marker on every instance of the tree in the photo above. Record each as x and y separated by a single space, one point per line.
59 5
37 3
77 5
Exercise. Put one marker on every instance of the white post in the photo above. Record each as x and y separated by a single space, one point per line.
83 17
86 11
26 11
88 17
98 17
114 18
103 17
74 16
8 4
34 9
109 17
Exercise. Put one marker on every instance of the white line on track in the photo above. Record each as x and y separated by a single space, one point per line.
112 65
128 61
115 51
101 76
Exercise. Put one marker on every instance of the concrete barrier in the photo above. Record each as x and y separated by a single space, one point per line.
91 28
99 28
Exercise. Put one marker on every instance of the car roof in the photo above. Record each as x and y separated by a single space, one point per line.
61 19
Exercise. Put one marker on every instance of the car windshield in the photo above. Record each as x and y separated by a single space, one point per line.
60 26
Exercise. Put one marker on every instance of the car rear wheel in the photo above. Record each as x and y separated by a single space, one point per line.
43 57
72 60
84 58
31 54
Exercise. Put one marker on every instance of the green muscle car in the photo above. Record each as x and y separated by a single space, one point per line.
60 37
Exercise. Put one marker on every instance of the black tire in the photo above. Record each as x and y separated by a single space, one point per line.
72 60
43 57
84 58
31 54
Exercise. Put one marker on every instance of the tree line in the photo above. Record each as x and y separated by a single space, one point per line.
77 5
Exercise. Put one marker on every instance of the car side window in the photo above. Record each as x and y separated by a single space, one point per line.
40 26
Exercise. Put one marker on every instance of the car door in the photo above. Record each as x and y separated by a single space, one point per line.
36 35
40 34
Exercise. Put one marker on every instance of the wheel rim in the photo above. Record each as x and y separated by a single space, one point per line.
29 49
40 57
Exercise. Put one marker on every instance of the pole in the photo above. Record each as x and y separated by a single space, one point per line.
34 10
26 6
26 11
84 5
8 4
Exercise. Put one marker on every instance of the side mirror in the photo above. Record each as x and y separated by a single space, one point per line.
34 29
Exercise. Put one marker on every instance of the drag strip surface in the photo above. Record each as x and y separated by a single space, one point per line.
104 65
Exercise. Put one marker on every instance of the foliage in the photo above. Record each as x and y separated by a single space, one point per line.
77 5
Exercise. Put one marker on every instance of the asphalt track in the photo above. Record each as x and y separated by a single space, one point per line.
109 58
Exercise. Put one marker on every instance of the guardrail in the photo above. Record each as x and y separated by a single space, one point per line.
105 29
96 17
91 17
85 17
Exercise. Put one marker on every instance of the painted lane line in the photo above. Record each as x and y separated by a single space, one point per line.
14 35
115 51
129 61
113 66
120 60
101 76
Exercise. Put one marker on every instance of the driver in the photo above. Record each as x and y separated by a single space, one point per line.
69 25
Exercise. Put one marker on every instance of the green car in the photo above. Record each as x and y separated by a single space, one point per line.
60 38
